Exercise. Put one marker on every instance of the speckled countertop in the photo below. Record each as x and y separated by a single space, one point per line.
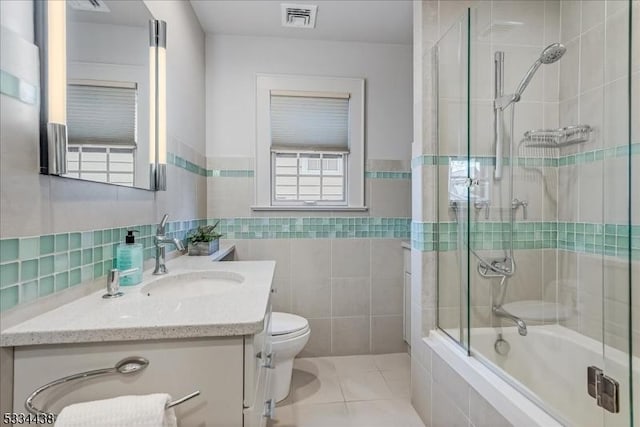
137 316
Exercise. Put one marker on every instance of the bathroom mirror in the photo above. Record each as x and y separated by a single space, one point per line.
102 87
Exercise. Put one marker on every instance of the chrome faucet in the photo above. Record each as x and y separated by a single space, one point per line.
501 312
160 241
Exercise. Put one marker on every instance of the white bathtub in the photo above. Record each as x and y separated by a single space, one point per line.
544 373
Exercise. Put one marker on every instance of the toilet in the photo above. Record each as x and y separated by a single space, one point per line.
289 335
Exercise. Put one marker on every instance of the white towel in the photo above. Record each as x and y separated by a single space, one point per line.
124 411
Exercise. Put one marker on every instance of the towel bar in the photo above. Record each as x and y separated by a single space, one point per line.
128 365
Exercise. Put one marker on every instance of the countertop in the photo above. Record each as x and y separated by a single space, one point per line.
135 316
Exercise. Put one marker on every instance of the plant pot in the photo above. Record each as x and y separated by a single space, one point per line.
204 248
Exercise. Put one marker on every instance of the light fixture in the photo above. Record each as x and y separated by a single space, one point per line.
56 87
158 104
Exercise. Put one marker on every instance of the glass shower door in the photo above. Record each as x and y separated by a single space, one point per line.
451 86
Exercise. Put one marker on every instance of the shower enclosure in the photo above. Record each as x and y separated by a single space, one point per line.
538 234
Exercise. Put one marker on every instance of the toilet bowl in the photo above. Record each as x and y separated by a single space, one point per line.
289 335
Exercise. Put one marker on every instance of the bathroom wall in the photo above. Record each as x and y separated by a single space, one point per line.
350 289
42 216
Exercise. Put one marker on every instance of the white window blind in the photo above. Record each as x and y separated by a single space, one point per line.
102 114
309 123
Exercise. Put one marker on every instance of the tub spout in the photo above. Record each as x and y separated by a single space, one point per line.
501 312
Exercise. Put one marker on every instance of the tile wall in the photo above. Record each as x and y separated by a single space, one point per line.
342 271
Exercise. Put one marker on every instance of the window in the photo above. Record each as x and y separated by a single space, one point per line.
102 125
308 178
104 164
310 152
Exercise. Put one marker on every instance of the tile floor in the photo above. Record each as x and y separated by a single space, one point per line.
349 391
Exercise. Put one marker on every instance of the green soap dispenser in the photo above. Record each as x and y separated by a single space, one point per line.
129 255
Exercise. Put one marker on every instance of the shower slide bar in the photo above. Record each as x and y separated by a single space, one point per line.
128 365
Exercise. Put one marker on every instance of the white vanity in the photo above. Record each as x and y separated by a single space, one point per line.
204 326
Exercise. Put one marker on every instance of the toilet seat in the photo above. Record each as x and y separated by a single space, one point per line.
289 325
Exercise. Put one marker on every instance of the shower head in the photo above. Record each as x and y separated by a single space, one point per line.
549 55
552 53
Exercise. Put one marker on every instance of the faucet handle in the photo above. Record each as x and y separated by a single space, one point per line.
113 282
163 223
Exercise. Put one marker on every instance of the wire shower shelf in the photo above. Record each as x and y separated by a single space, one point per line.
557 137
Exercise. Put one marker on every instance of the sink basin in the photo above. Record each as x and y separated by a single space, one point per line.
194 284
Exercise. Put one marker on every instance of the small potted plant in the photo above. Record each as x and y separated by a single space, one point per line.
204 240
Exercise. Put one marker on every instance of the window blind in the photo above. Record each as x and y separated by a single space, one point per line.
100 114
309 123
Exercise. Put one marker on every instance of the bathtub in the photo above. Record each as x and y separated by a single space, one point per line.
542 381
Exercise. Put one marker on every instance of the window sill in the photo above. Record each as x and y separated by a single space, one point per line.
311 208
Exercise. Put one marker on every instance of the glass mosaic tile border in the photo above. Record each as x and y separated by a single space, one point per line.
560 161
604 239
32 267
36 266
182 163
315 228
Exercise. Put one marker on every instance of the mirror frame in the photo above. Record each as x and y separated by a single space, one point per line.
50 37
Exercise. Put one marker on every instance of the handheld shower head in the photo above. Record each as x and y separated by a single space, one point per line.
549 55
552 53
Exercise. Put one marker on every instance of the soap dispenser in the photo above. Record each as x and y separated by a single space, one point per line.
129 255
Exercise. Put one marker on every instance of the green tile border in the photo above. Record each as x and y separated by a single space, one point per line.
51 263
559 161
182 163
603 239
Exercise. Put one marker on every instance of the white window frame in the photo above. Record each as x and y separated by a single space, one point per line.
354 165
107 170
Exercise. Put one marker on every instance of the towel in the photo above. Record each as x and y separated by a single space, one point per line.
123 411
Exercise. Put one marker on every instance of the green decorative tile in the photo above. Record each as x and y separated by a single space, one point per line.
61 262
28 270
75 277
47 285
97 270
9 249
9 274
29 247
47 244
87 273
87 256
62 242
28 291
75 259
97 253
97 237
87 239
46 265
75 241
62 281
9 297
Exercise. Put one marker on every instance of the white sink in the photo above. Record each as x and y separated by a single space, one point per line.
194 284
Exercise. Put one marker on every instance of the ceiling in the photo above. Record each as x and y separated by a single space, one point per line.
372 21
131 13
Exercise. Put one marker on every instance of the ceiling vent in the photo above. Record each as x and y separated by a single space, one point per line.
88 5
298 15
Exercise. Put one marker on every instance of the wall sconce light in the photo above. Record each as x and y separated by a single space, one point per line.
55 90
158 104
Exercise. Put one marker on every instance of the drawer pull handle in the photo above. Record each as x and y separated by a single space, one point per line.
269 409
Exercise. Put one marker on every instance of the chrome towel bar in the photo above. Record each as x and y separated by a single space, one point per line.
128 365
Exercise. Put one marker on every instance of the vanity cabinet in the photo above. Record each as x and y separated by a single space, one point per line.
231 373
